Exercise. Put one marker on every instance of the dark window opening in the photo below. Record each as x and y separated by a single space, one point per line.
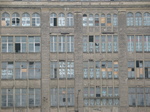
90 38
37 44
98 95
55 21
17 47
64 99
146 73
55 72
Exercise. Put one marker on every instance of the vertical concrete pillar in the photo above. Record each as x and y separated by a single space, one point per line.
123 76
78 61
45 60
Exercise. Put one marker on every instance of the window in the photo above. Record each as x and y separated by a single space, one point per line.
108 20
62 69
103 20
36 19
138 96
138 19
92 69
141 69
115 39
147 43
53 43
7 97
7 70
147 69
23 97
25 19
104 96
7 44
65 96
61 19
115 20
130 19
130 44
131 69
84 20
34 70
66 43
103 43
22 70
139 43
70 19
96 20
61 44
109 44
15 19
53 19
34 44
91 20
5 19
20 97
34 97
20 44
146 19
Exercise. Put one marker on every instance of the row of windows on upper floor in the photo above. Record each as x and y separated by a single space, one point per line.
61 43
88 20
65 69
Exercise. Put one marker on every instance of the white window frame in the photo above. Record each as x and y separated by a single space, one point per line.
25 19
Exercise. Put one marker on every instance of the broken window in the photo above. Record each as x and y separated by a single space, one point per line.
36 19
84 20
61 19
53 19
91 44
70 19
34 71
131 70
97 44
130 45
15 19
34 97
25 19
21 70
116 69
7 70
5 19
20 44
103 20
91 20
130 19
108 20
147 69
34 44
139 69
147 43
96 20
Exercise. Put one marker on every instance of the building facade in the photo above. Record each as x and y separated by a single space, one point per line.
75 56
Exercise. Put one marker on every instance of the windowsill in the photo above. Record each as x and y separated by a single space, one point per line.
132 105
131 78
20 26
20 52
61 26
